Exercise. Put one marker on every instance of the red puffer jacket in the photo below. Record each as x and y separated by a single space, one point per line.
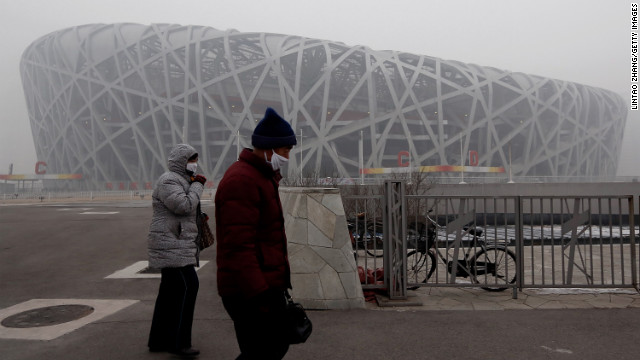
251 242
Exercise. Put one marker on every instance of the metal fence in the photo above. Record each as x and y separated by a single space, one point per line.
496 243
88 195
579 242
79 195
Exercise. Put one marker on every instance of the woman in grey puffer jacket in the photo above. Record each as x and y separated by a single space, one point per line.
172 248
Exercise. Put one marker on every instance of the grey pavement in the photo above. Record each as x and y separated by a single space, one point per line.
66 252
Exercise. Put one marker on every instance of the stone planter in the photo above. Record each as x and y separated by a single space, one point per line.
324 274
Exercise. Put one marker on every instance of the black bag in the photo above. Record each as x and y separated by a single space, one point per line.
299 326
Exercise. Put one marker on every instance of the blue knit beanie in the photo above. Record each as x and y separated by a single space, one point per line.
273 132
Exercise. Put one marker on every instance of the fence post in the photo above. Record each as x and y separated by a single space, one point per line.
519 247
632 243
395 239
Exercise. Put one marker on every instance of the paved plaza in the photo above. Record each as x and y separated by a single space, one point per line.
92 253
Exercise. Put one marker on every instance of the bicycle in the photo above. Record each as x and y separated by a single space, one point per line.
366 234
493 265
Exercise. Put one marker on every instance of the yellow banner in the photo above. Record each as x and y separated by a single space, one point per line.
42 177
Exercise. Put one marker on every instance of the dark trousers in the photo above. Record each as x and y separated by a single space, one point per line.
173 314
260 334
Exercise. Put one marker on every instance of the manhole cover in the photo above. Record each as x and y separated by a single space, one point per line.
47 316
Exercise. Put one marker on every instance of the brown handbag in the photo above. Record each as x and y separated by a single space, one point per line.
205 237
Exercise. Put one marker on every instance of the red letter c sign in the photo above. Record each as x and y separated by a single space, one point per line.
473 158
41 167
401 154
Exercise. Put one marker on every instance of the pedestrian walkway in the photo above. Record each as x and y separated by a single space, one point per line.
449 298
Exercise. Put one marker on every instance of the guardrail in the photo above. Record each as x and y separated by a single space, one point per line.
536 241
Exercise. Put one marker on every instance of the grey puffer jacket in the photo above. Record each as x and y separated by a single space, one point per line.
173 229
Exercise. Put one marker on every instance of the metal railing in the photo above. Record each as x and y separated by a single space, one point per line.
107 195
543 241
80 195
586 241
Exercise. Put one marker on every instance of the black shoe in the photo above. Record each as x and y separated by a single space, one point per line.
186 352
157 349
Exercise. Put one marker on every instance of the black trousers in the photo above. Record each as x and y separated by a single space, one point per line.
260 333
173 314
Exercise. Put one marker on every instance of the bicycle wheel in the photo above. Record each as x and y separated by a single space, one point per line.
420 266
368 243
495 267
373 244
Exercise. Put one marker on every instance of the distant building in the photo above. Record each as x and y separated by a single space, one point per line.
108 101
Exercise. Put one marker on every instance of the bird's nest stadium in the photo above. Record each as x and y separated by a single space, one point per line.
108 100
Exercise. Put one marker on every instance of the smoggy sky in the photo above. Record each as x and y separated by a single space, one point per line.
583 41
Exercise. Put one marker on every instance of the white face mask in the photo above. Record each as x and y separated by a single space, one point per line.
277 161
192 167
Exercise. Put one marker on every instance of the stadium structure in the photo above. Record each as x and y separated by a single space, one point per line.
109 100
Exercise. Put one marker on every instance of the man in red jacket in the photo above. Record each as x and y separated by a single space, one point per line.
253 267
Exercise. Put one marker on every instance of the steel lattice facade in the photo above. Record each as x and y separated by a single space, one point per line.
108 101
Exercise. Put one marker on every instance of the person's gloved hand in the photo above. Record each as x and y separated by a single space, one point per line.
199 178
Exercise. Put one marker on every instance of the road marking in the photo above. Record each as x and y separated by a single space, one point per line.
99 212
562 351
70 209
21 204
133 271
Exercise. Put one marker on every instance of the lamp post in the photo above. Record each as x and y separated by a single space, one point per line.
410 163
510 173
461 163
238 147
301 167
361 157
238 144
